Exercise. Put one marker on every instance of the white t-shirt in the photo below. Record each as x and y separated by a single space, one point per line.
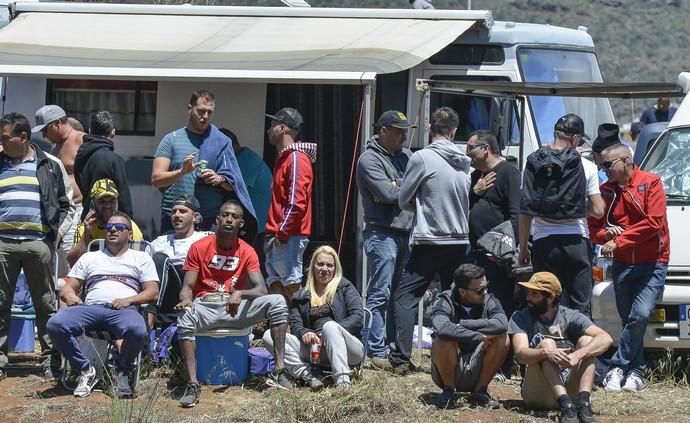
545 227
176 249
107 278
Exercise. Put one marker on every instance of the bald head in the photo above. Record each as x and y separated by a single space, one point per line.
617 163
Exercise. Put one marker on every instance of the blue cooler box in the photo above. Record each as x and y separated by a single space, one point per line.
22 332
222 356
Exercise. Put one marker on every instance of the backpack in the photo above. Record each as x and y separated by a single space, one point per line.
554 185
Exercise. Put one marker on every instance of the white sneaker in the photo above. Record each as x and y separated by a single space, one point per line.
613 379
124 390
85 382
633 383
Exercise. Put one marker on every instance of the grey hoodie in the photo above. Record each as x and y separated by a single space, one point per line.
436 186
377 169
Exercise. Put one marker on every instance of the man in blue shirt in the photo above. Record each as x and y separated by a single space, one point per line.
662 112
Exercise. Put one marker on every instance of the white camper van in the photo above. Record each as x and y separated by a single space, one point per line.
668 157
339 67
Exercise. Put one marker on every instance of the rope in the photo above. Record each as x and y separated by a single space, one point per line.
352 173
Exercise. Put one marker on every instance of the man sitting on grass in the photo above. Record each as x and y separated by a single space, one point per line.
470 341
116 279
559 346
224 288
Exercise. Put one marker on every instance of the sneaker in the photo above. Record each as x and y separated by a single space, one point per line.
585 414
191 396
343 386
633 383
568 415
483 399
445 398
314 384
124 389
85 383
404 369
3 374
381 363
613 379
500 378
280 379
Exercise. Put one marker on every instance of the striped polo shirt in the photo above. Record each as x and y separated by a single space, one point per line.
20 202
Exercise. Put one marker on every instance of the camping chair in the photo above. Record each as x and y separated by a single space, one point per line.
171 278
97 346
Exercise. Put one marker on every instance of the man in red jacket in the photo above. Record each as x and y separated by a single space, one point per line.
288 224
634 231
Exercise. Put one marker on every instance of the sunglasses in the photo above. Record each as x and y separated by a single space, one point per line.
471 147
117 226
608 164
44 131
482 289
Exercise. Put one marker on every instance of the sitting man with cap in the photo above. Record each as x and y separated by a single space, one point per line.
185 219
104 202
558 345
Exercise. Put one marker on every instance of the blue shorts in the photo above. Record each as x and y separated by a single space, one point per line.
284 261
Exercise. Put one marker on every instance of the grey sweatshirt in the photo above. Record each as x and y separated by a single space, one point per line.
379 174
436 186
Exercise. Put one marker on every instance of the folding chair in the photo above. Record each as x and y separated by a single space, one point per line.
171 278
97 346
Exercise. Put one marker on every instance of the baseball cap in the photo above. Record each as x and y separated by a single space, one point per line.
571 124
104 188
288 116
544 281
607 135
47 114
395 119
189 201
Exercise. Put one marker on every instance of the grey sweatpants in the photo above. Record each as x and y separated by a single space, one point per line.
339 348
204 316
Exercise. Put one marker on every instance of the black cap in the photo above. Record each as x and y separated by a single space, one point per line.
571 124
395 119
288 116
607 135
189 201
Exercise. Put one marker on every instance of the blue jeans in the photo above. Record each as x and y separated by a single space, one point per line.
637 288
284 261
387 253
70 322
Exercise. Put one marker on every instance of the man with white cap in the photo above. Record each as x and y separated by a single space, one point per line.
53 124
558 345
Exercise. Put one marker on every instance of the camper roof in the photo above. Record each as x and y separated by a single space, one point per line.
251 44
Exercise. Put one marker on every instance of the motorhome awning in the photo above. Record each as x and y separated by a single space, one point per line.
223 43
575 89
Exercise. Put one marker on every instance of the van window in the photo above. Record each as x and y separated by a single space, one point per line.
132 103
469 55
476 112
670 160
553 65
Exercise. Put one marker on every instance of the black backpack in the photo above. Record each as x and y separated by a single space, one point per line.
554 185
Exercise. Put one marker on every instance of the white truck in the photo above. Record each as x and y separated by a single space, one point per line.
340 67
668 157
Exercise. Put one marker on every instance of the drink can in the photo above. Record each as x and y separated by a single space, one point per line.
202 165
315 354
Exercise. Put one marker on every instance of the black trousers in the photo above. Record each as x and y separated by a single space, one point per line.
426 262
569 257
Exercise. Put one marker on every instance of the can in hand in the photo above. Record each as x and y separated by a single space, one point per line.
315 354
202 165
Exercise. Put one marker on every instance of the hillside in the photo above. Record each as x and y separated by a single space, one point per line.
637 40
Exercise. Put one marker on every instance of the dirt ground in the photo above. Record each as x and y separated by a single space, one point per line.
376 397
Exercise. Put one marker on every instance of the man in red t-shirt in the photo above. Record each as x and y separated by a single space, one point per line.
224 288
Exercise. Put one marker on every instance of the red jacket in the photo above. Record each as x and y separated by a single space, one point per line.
640 209
293 178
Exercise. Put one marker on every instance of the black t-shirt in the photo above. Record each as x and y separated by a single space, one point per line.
567 325
500 203
318 316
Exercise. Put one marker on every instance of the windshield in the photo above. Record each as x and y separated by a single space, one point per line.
670 159
546 65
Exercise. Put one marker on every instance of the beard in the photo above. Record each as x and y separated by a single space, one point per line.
538 308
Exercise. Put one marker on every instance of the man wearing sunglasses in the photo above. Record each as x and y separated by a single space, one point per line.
103 203
117 280
634 231
470 341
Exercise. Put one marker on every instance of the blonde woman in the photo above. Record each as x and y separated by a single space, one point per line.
327 312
